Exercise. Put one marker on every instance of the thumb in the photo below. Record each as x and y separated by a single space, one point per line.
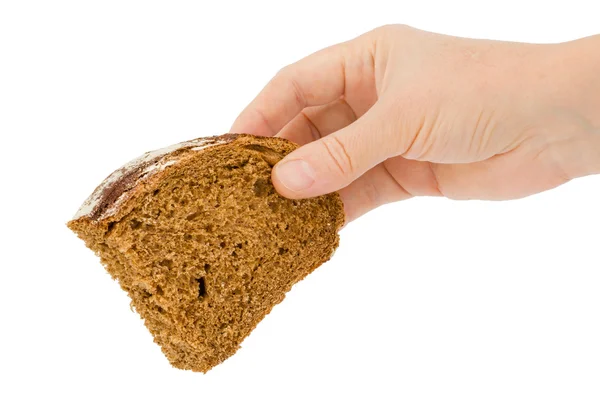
336 160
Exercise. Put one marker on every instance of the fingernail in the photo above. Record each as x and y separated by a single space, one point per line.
295 175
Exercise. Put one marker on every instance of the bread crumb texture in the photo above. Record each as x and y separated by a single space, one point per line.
204 245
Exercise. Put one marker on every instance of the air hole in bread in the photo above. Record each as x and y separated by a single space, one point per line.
193 216
262 187
110 227
135 224
201 288
166 263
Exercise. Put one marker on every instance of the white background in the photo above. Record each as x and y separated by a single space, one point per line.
426 299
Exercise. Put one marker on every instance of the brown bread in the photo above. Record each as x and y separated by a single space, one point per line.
203 244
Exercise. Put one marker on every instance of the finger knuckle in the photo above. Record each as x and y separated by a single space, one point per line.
286 79
383 29
284 72
391 29
338 154
372 195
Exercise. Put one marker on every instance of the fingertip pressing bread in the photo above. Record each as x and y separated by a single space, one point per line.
203 244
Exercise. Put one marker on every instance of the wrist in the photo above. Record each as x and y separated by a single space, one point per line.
574 89
580 155
579 63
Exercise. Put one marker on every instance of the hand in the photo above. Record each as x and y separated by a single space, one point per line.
400 112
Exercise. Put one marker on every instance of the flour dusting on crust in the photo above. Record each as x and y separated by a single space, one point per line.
107 198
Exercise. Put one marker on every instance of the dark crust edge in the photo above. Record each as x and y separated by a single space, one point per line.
108 194
131 174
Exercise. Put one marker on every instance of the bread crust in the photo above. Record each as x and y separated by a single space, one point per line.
115 188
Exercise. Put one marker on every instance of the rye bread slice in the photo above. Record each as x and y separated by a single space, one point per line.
203 244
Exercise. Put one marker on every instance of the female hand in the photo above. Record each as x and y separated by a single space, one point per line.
399 112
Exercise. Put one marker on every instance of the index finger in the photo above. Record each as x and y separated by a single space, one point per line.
315 80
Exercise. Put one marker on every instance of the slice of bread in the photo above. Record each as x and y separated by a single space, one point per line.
203 244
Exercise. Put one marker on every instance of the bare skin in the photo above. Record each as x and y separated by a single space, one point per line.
399 112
